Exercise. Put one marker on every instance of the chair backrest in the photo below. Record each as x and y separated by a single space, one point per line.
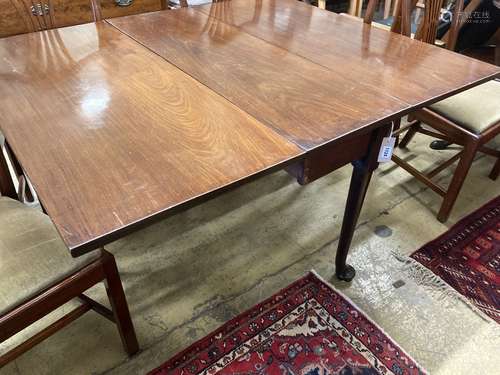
428 27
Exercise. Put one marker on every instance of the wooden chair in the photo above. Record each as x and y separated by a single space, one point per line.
489 51
470 119
424 30
38 275
370 12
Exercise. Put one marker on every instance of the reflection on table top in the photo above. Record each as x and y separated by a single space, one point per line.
304 101
312 75
411 71
110 133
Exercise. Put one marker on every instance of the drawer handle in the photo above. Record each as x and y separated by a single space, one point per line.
124 3
39 9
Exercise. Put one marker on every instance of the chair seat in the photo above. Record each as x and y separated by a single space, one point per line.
475 109
32 255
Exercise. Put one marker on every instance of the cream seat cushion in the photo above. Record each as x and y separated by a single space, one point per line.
32 255
475 109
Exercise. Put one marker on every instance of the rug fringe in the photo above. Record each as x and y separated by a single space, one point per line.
332 287
435 285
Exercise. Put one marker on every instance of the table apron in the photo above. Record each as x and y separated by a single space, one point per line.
323 161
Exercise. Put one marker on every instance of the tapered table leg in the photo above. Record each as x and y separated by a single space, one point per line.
361 175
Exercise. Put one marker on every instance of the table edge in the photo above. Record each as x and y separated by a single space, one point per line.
107 238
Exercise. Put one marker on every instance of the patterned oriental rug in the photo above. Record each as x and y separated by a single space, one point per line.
467 258
307 328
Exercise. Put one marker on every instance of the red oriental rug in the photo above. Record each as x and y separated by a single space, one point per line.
467 257
307 328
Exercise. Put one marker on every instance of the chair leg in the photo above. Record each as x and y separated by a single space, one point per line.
496 170
409 135
119 305
457 181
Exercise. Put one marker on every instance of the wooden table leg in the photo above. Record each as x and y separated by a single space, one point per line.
361 175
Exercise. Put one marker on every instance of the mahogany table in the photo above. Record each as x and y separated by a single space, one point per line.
123 122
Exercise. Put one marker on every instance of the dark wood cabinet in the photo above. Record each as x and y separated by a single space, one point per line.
14 18
23 16
111 9
70 12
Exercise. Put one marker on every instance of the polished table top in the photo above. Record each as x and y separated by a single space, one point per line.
310 74
119 124
307 103
391 64
110 134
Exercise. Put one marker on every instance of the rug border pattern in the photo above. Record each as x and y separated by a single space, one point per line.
182 359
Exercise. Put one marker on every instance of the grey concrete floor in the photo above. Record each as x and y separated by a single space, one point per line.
187 275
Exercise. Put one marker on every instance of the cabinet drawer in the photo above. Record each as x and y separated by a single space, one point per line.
110 9
22 16
70 12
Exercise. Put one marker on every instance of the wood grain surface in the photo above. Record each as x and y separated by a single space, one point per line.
412 71
112 136
307 103
115 134
23 16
